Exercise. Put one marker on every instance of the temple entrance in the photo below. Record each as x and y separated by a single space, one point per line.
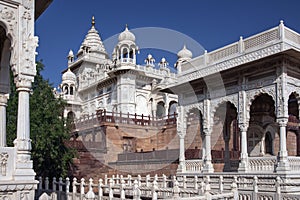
225 138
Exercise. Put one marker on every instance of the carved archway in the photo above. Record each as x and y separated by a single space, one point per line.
194 134
225 136
262 116
293 137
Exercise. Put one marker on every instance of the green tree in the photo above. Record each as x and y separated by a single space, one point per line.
51 157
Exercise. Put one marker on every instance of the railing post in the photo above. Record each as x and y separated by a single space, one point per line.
60 184
278 190
74 188
281 30
164 181
139 179
46 183
129 180
135 119
122 195
196 182
54 184
111 190
40 183
221 184
128 119
207 185
184 182
176 190
202 186
90 195
136 191
154 190
67 185
241 45
105 179
142 120
82 188
255 187
234 188
100 190
164 185
117 179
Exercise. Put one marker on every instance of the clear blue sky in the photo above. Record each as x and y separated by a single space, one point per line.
213 23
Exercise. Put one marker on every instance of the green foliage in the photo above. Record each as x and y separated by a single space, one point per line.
49 154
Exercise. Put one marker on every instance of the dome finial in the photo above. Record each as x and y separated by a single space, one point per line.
126 26
93 21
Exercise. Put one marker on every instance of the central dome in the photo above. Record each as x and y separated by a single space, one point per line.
126 35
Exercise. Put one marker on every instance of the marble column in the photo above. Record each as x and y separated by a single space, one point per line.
3 104
207 165
243 166
24 166
181 132
282 159
181 167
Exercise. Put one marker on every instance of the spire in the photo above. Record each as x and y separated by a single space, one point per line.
93 21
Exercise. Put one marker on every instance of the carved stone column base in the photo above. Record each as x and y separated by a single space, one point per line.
24 174
283 164
208 167
181 167
243 165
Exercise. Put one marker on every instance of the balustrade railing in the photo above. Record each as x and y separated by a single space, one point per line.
119 187
268 37
135 119
202 186
262 164
122 118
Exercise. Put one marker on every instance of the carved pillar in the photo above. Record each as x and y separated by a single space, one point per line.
207 164
282 117
181 131
282 160
243 126
22 143
243 166
3 104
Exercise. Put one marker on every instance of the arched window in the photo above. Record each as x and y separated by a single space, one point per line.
66 89
71 90
172 107
160 109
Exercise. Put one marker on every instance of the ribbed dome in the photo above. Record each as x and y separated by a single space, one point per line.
126 35
69 76
184 53
93 40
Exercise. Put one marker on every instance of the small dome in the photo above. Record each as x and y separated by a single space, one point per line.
71 54
69 76
126 35
184 53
